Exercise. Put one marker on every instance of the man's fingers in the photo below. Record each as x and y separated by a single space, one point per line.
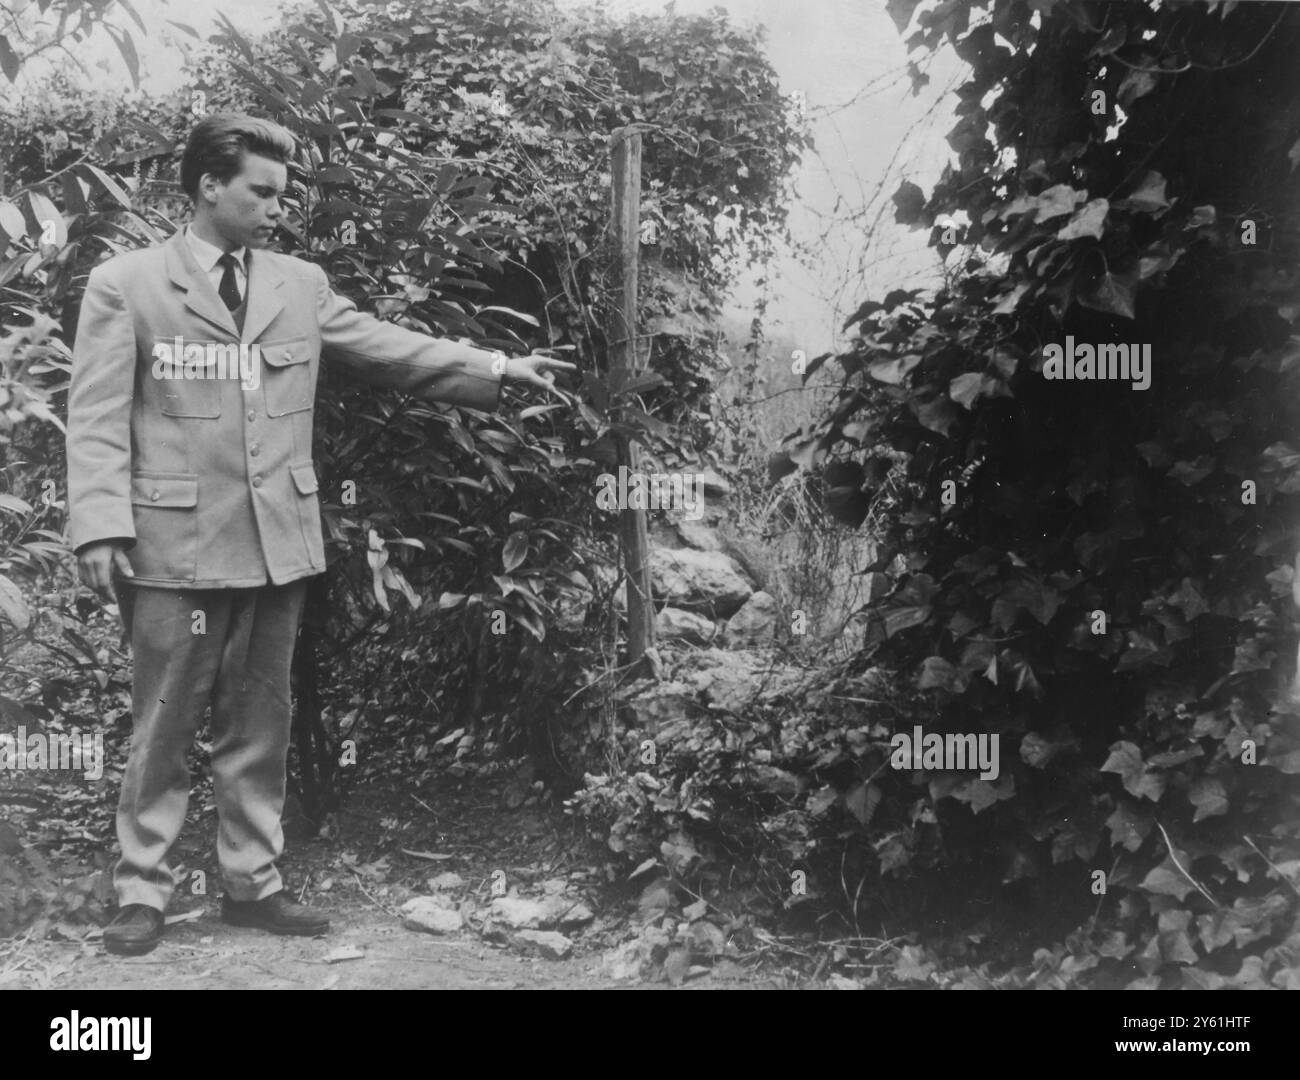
122 564
566 398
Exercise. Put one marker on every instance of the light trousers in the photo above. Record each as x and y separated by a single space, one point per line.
231 648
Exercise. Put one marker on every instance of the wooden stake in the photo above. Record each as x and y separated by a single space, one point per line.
625 224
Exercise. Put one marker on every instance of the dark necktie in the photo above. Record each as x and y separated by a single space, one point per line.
229 290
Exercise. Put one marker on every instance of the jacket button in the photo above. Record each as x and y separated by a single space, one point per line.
257 481
154 496
254 451
252 415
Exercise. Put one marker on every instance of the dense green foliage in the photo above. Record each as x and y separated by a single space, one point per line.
1100 574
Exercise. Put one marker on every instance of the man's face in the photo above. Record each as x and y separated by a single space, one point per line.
246 210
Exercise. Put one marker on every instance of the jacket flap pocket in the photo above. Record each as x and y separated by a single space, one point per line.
285 353
304 478
167 491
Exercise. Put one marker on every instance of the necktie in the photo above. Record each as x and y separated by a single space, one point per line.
229 290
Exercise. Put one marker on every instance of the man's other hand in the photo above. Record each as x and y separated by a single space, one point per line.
96 564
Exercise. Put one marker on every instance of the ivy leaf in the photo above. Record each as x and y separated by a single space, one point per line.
1175 945
1128 827
937 414
1167 880
1136 84
1007 305
1126 760
1056 201
968 388
861 801
821 800
1112 294
909 203
937 673
1149 196
1209 798
983 794
893 371
903 618
901 12
1088 220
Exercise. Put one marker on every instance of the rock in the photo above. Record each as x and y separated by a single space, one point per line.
659 704
755 623
700 537
674 624
517 913
727 678
707 581
446 881
624 962
661 534
546 942
566 911
705 939
426 914
731 679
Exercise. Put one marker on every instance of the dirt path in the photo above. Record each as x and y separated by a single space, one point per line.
205 954
378 855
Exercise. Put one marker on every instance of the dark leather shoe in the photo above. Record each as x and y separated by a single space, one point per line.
135 931
276 914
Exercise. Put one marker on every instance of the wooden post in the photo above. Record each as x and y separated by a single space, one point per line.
625 152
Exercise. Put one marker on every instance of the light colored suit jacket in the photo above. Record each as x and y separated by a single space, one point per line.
210 480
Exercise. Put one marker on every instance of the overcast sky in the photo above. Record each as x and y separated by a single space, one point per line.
870 131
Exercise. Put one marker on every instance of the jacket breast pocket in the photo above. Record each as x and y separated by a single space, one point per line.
189 384
287 376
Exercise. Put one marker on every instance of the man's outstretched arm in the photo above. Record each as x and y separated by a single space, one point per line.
429 367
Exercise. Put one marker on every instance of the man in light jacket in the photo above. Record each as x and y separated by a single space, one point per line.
193 497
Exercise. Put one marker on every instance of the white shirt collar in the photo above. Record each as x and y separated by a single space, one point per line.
206 255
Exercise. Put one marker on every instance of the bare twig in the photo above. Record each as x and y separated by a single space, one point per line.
1183 870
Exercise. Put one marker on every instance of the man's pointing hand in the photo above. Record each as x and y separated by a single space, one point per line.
535 369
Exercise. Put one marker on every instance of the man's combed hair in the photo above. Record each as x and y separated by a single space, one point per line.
218 143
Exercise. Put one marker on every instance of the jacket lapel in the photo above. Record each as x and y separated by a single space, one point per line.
265 300
200 297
